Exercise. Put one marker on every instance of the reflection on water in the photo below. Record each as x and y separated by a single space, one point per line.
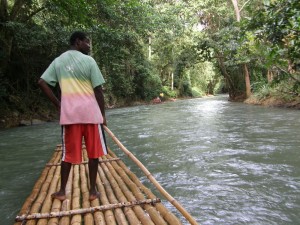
226 163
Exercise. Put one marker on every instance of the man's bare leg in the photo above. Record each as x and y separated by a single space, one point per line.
93 168
64 175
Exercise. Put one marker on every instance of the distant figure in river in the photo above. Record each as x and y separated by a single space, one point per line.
156 100
81 108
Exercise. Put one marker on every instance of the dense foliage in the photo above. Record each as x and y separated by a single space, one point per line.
144 48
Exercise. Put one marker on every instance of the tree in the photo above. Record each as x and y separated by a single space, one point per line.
245 67
276 29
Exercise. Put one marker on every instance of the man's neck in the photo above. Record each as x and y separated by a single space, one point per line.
73 48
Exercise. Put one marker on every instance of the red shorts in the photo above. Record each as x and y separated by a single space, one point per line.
72 142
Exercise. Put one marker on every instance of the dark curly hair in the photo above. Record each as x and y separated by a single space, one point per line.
77 35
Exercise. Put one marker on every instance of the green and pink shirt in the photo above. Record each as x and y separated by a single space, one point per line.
77 74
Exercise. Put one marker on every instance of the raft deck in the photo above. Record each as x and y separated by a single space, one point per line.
123 198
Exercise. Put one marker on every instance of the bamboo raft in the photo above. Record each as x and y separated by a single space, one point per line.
123 198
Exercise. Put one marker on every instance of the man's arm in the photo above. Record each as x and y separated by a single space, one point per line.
49 93
100 99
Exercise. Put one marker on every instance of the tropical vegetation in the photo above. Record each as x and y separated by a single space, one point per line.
147 48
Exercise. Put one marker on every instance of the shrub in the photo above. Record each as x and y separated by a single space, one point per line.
168 93
196 92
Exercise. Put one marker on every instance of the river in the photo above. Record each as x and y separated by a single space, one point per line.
226 163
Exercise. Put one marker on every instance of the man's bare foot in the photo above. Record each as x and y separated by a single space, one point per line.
58 195
94 195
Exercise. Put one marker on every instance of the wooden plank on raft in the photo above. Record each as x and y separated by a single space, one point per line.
123 198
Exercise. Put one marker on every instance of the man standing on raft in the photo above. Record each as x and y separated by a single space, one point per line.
81 108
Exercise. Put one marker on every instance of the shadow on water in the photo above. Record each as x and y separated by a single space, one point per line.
226 163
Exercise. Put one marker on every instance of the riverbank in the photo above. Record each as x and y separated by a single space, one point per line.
14 119
9 119
293 103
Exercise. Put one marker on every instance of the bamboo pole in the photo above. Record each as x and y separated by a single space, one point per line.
108 215
124 182
119 215
76 219
141 215
88 218
42 195
165 213
56 206
152 179
35 191
131 196
98 215
48 200
66 204
129 213
86 210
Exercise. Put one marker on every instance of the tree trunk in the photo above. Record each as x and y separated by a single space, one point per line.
231 88
246 71
172 81
149 48
236 9
6 40
247 81
270 76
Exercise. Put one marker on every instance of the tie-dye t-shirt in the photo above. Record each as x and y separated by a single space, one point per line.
77 75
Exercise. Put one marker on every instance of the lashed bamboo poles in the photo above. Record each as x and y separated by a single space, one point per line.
164 212
152 179
35 191
88 218
108 215
129 213
66 205
114 182
117 188
106 218
99 218
142 216
136 188
119 215
47 202
36 206
76 219
112 218
56 206
133 193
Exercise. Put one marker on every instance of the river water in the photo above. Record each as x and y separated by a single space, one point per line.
226 163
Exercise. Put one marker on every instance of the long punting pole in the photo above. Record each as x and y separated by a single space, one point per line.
152 179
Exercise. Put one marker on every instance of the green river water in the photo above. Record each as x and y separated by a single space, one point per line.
226 163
